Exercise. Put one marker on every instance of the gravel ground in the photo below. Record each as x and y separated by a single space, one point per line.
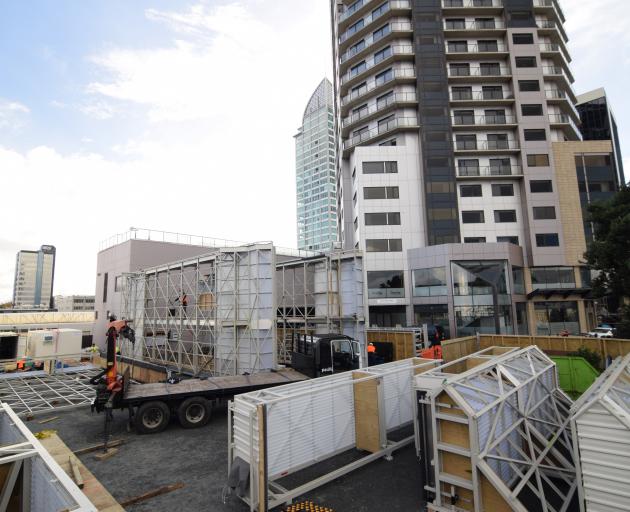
198 458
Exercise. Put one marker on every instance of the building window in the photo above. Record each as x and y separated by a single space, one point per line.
466 142
532 109
388 316
386 284
502 189
522 326
383 8
429 282
544 212
535 135
382 219
358 68
555 317
540 186
492 92
470 191
383 77
525 62
383 245
528 85
474 239
508 239
381 32
380 193
523 38
105 279
547 240
473 217
544 278
357 26
538 160
380 167
461 93
518 277
461 69
504 216
118 284
431 315
488 46
382 54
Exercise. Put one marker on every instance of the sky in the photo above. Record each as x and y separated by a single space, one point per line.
180 115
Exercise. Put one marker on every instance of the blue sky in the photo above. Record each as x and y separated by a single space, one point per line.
180 115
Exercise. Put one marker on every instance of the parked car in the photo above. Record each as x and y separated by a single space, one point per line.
601 332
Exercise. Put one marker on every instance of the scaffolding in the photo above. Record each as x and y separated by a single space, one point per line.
493 433
230 311
33 393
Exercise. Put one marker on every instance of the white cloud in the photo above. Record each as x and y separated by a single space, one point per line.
100 110
222 96
11 113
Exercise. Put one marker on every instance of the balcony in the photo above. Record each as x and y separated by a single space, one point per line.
392 7
397 99
397 75
468 121
353 11
557 73
488 146
549 27
554 50
502 171
465 51
398 123
479 73
395 29
464 28
482 6
565 122
378 61
466 98
550 6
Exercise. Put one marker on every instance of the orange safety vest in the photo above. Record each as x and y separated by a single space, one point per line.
371 349
20 364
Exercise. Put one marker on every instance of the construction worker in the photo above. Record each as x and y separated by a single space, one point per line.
371 348
183 300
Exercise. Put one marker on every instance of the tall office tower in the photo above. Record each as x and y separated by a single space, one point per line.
598 123
316 181
448 113
34 279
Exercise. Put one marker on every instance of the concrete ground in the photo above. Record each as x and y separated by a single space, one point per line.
198 458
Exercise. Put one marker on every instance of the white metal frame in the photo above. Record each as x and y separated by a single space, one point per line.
244 422
529 437
41 479
610 395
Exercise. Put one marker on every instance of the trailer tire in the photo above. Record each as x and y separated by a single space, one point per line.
152 417
194 412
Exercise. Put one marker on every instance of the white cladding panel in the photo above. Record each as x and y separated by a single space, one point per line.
245 430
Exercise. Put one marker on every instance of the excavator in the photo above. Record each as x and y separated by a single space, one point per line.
109 384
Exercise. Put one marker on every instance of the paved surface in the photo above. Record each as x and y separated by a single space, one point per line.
198 458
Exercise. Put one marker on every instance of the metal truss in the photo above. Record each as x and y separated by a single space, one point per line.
34 393
518 425
226 325
321 294
33 481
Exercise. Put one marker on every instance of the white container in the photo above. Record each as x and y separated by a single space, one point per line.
53 343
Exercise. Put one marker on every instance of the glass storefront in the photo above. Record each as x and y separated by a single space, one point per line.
480 319
432 314
388 316
386 284
429 282
554 317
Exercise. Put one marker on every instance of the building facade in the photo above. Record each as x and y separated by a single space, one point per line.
315 166
34 279
599 123
74 302
451 116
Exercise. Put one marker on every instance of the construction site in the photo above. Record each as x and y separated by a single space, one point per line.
241 379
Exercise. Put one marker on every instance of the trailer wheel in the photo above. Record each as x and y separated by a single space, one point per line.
194 412
152 417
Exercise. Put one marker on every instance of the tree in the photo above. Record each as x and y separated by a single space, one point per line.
610 251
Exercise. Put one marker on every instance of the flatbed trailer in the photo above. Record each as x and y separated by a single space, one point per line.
151 406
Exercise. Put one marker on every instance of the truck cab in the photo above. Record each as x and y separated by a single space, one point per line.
325 354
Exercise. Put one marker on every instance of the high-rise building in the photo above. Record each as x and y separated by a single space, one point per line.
453 177
599 123
65 303
34 279
316 179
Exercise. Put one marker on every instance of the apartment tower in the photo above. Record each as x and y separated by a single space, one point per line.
447 114
315 169
34 279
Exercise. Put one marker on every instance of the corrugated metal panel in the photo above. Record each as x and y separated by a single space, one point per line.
243 419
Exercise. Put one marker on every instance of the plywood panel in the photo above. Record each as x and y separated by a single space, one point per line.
454 433
456 465
366 413
465 501
491 499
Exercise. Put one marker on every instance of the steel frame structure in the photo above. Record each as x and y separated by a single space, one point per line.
239 300
258 433
33 393
320 294
31 474
504 419
227 326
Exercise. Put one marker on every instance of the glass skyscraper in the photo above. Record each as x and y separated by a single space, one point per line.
315 166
